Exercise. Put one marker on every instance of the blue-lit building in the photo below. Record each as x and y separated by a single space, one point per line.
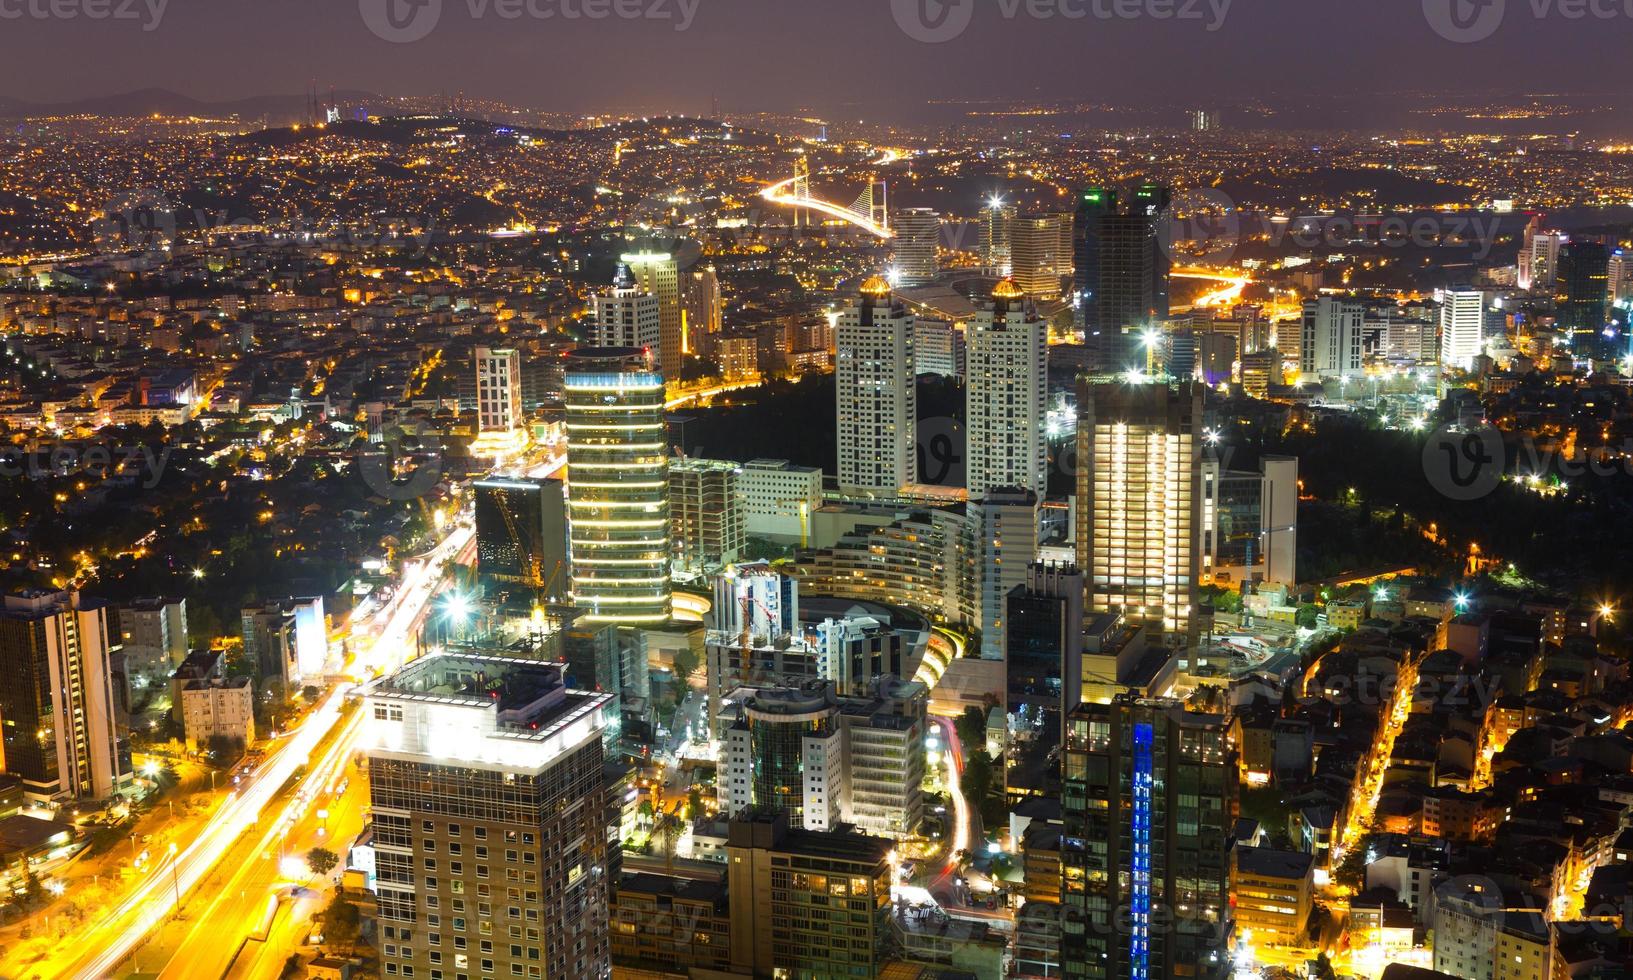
1149 797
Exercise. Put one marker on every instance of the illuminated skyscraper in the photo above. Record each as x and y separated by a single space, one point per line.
1153 202
997 223
1006 395
57 701
700 302
1006 523
877 405
1462 327
918 236
1539 256
1138 501
618 483
628 316
1582 300
1149 799
495 850
656 273
1093 204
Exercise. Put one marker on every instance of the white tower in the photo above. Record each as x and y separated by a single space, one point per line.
1006 395
877 408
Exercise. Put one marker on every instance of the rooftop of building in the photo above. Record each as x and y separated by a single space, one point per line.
529 695
1267 862
674 887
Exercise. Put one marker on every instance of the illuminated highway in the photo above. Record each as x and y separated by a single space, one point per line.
127 924
1231 293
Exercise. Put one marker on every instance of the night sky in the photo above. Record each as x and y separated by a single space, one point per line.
826 55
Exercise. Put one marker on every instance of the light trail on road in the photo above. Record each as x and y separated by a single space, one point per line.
961 806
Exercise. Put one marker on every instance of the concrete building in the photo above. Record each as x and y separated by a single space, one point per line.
877 406
57 721
661 924
791 872
1041 254
498 390
1486 929
1462 327
778 499
914 249
218 708
939 347
1331 346
1274 892
491 814
1006 396
287 640
1006 520
154 634
705 514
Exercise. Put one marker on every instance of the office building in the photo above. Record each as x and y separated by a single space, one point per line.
1248 530
705 514
663 924
794 875
218 710
877 405
914 249
1007 396
618 485
627 316
1041 254
154 633
1126 304
1582 301
1148 800
1462 327
1261 371
1138 500
1093 205
778 499
1153 202
57 704
939 347
491 819
521 534
1006 520
1043 640
1331 346
997 222
656 273
1274 893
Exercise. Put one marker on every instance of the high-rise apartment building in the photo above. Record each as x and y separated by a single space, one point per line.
491 820
628 316
656 273
521 534
1149 801
705 513
915 247
498 390
618 486
154 633
877 404
1539 256
702 309
1462 327
57 721
1331 345
1138 502
1007 395
1006 520
1041 253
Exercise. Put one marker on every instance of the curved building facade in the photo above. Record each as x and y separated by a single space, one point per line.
618 481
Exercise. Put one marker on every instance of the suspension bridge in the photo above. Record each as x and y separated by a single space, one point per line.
870 211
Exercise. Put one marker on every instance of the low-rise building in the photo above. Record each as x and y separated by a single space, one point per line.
218 708
1273 892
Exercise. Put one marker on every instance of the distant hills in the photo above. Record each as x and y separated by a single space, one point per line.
147 101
